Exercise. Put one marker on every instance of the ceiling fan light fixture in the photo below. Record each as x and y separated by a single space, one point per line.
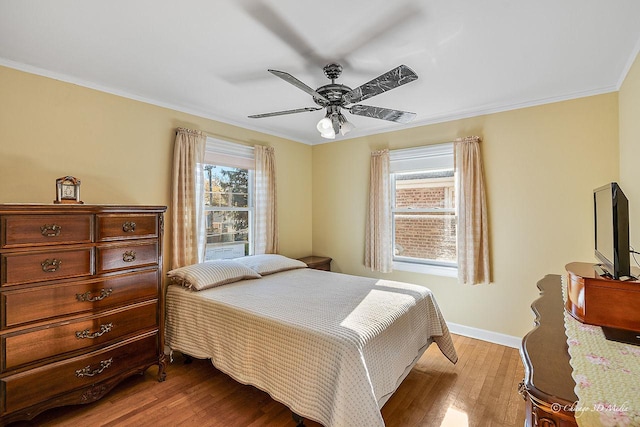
329 134
325 127
345 125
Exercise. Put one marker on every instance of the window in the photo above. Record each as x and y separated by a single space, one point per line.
423 207
228 200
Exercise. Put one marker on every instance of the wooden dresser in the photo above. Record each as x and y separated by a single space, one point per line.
548 384
80 302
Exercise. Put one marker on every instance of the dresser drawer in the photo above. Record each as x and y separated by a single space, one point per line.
122 226
18 268
43 302
119 257
28 388
35 230
36 344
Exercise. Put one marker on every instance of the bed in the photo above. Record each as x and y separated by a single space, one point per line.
332 347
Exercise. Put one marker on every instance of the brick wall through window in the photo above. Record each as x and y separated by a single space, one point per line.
430 235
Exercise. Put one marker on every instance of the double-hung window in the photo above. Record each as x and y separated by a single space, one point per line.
228 199
423 209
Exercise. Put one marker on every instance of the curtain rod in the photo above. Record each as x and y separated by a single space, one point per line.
214 135
474 138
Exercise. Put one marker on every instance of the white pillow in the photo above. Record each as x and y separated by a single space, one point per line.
210 274
270 263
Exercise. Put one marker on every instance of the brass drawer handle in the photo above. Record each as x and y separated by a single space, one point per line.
50 265
88 298
50 230
129 256
129 227
87 372
91 335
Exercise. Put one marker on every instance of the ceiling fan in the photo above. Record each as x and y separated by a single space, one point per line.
335 97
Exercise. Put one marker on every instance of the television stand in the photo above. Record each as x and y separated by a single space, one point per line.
601 300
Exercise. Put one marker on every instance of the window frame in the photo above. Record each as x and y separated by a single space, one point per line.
227 154
420 159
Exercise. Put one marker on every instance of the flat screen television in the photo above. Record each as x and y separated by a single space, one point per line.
611 220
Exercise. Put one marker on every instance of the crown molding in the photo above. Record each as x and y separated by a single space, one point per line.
440 118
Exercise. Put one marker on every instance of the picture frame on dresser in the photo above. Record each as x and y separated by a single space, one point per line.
80 302
68 190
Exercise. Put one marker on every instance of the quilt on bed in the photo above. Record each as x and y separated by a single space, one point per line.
330 346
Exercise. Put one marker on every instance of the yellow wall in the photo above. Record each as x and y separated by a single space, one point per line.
630 148
121 150
541 166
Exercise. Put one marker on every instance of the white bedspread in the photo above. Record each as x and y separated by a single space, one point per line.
329 346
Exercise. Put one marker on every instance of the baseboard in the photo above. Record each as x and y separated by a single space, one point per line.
484 335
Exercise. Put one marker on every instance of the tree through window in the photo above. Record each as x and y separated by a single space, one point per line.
228 211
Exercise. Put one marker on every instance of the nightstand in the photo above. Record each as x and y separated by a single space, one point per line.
317 262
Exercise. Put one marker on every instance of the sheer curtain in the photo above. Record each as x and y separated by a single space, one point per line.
473 229
187 198
378 255
266 222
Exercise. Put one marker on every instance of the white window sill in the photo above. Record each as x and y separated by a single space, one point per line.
436 270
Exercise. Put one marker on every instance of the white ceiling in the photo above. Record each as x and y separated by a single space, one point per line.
210 57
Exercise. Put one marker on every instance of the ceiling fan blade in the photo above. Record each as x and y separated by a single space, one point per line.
282 113
382 113
276 24
393 20
297 83
390 80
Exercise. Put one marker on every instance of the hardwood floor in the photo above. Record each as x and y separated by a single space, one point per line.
480 390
